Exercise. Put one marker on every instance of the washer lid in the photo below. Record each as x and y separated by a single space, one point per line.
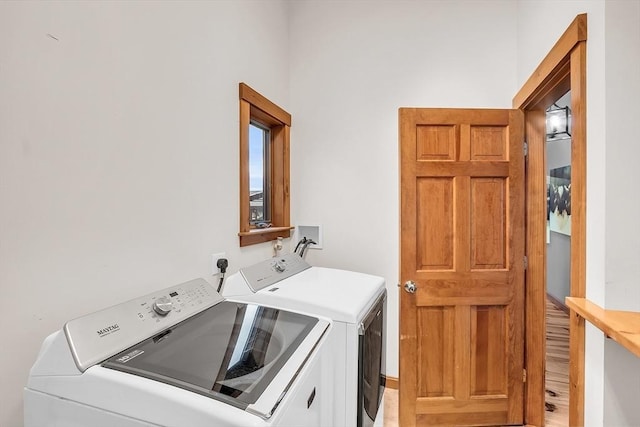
341 295
98 336
242 354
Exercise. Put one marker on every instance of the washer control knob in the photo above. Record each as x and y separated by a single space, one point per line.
162 306
279 266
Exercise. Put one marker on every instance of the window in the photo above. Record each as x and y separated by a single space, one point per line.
264 169
259 144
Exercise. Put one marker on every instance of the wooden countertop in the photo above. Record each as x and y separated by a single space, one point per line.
621 326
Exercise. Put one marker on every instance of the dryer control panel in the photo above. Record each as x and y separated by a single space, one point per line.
266 273
98 336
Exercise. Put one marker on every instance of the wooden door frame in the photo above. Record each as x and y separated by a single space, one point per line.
563 69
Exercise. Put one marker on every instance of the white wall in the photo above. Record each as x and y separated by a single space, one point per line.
559 246
540 24
119 154
612 380
622 368
353 64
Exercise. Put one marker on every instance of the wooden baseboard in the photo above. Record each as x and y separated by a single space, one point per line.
559 304
392 382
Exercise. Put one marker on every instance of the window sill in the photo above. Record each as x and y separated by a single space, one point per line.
262 235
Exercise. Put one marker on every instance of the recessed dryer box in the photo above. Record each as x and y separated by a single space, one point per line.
313 232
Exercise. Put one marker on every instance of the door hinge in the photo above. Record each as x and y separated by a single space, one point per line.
526 148
526 262
524 375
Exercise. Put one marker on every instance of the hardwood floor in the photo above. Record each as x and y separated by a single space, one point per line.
557 377
390 408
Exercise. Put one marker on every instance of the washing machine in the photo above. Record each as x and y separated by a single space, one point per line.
182 356
355 347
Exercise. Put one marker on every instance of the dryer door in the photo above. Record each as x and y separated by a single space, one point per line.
371 363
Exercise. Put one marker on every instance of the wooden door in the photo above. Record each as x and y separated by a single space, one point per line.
462 244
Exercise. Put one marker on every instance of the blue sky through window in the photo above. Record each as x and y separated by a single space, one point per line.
256 158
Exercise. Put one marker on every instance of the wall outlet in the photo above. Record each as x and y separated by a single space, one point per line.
214 262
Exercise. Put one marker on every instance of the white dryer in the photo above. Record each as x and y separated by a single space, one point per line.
356 345
179 357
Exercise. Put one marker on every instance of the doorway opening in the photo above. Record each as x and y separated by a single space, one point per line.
558 241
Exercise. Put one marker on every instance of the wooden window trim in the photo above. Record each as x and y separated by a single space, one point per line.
257 107
262 103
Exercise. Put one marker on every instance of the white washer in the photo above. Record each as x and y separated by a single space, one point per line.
355 347
179 357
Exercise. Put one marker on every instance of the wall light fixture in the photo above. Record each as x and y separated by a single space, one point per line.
558 122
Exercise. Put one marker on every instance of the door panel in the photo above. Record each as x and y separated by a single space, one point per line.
435 223
462 243
488 223
435 330
488 367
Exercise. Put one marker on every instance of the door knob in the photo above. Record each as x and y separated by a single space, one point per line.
410 286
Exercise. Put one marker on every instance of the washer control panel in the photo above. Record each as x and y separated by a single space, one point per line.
179 300
97 336
266 273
